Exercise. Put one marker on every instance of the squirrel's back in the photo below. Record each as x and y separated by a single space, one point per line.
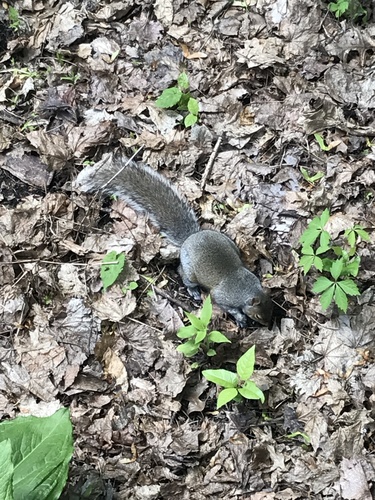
144 190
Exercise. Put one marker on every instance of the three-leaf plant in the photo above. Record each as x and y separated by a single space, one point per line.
236 386
197 333
179 97
338 262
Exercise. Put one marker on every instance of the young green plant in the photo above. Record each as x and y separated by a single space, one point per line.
311 179
351 9
111 268
197 334
179 97
336 263
14 18
236 385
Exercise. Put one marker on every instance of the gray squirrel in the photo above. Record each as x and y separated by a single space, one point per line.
208 259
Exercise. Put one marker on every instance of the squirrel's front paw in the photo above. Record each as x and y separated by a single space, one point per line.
195 293
240 317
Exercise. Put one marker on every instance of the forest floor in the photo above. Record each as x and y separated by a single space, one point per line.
285 130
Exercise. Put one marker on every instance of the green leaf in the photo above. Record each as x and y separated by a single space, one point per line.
211 352
183 104
350 236
323 249
349 287
41 452
183 81
221 377
315 223
327 264
201 335
309 236
133 285
195 321
193 106
112 266
352 267
341 299
206 311
324 217
321 284
324 240
320 141
337 250
306 262
312 178
251 391
308 250
169 98
7 470
225 396
362 233
318 263
218 337
303 435
245 364
336 268
327 296
190 120
188 349
185 332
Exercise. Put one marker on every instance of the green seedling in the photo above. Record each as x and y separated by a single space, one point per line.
132 285
337 263
311 179
197 333
25 73
303 435
236 386
14 18
179 97
323 147
29 126
351 9
111 268
72 77
34 456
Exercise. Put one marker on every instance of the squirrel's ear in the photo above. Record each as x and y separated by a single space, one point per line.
255 301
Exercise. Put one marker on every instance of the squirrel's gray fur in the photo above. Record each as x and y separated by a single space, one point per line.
208 259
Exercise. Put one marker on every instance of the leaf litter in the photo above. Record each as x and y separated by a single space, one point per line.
79 79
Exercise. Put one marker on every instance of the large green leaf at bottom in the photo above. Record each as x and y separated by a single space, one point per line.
41 452
6 468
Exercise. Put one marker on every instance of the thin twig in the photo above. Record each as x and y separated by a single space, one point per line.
207 170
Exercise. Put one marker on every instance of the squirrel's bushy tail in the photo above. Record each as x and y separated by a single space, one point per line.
144 190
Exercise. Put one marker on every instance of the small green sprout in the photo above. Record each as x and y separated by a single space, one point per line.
311 179
111 268
72 77
236 386
132 285
351 9
303 435
179 97
197 333
14 18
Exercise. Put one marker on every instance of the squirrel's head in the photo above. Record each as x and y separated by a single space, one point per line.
259 309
